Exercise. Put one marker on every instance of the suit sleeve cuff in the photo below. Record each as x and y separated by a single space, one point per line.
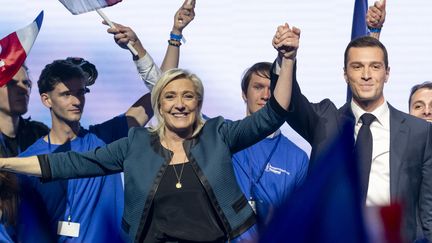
45 167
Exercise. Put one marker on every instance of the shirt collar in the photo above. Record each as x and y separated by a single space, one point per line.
275 134
382 113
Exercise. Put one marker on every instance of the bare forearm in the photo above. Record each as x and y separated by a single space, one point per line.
283 87
182 18
26 165
286 42
140 113
140 49
171 59
375 35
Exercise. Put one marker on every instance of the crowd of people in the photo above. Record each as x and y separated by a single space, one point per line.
192 178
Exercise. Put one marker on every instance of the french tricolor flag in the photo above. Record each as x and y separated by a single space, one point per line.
15 47
83 6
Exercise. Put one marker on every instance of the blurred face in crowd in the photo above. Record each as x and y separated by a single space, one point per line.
366 74
14 96
66 101
421 104
179 106
257 94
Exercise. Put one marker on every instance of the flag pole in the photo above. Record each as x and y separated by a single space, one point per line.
104 17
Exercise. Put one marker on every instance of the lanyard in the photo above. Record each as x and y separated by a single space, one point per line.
68 202
253 181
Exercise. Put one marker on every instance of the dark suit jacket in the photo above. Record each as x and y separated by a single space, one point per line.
410 152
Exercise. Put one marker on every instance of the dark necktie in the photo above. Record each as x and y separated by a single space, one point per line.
363 151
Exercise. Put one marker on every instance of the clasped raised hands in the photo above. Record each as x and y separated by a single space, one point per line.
286 41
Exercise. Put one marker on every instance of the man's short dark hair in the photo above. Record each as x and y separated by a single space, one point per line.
424 85
366 41
261 69
57 72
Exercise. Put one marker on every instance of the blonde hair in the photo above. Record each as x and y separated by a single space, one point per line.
168 77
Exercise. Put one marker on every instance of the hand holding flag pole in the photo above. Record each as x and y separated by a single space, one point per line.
111 24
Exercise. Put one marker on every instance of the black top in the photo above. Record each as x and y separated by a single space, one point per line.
28 132
182 214
11 147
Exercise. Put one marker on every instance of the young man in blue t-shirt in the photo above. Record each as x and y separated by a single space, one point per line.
271 170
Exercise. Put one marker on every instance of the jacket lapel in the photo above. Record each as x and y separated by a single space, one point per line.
346 118
398 129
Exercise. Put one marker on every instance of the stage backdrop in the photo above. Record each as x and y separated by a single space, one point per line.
225 38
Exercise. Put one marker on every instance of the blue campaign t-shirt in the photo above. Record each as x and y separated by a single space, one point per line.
269 172
95 203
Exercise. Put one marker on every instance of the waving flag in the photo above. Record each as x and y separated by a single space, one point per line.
359 27
15 47
83 6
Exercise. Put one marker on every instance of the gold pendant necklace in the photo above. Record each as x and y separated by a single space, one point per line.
178 184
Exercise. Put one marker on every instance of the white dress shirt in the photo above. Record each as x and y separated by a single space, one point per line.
378 193
148 70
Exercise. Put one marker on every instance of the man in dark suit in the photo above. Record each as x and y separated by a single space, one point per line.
401 162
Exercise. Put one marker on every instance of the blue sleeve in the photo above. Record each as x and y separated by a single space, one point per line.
32 151
112 129
301 175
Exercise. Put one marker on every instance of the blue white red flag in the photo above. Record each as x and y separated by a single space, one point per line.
83 6
15 48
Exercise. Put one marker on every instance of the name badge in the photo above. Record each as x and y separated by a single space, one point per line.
67 228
